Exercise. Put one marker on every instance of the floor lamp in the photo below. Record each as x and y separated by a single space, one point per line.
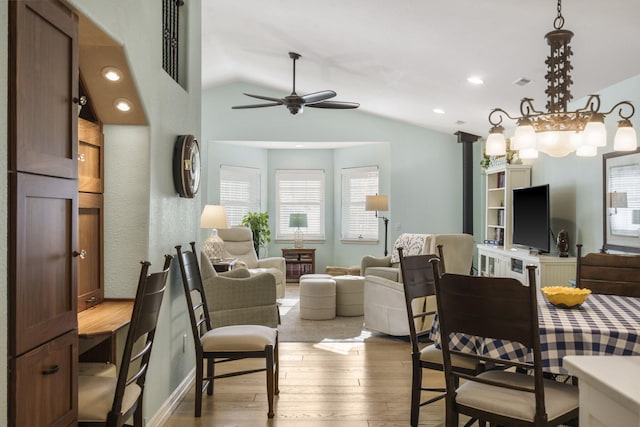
379 203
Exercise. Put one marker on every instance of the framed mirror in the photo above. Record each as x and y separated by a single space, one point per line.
621 201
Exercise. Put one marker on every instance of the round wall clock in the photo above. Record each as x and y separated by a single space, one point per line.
186 166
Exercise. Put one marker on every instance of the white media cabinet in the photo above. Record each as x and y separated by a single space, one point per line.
552 270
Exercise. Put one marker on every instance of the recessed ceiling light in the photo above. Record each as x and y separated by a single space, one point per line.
475 80
438 110
122 104
111 73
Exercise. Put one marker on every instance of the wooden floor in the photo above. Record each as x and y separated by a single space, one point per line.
332 384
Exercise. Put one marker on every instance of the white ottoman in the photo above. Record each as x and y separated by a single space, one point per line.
317 298
315 276
349 295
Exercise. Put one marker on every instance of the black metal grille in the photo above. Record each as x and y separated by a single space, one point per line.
170 32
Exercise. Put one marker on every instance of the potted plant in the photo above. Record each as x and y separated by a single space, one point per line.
258 222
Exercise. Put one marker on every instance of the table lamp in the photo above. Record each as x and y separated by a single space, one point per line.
379 203
298 220
213 217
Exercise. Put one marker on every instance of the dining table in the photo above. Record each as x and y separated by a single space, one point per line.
602 325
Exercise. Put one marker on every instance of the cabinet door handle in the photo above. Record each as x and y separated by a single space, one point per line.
82 254
81 157
51 371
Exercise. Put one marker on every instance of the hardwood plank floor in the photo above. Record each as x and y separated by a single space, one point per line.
323 384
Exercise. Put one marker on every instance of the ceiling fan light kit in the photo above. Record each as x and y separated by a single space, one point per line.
558 132
296 103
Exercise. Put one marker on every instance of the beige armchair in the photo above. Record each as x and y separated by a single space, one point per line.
388 267
238 243
384 303
238 298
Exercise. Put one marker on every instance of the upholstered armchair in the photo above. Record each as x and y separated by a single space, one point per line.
384 304
388 267
237 298
238 243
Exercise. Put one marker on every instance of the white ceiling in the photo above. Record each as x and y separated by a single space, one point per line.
401 59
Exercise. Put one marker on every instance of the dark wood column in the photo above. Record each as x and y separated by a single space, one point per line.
467 140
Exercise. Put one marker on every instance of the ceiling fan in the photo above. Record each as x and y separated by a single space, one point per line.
296 103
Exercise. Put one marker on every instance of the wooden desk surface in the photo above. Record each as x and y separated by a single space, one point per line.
105 318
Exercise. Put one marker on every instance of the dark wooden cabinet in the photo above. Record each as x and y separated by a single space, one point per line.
43 280
43 213
44 386
90 157
90 260
43 84
299 261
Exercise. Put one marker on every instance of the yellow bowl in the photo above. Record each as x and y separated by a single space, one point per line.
565 297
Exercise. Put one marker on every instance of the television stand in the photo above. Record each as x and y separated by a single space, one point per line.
495 261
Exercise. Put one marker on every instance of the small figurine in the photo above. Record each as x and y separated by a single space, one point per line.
562 243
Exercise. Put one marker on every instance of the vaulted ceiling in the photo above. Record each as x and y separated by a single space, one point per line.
403 59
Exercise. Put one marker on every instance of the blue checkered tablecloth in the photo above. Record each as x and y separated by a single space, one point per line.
604 324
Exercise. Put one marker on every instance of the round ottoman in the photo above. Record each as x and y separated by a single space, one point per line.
349 295
317 298
315 276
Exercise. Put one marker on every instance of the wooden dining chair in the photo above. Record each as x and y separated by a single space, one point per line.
419 286
504 309
109 401
226 343
612 274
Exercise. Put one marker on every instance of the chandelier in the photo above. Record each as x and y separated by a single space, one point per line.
559 132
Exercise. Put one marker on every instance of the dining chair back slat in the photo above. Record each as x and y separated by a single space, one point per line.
502 309
612 274
419 286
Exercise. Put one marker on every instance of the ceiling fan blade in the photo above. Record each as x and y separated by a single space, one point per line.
334 104
314 97
271 104
266 98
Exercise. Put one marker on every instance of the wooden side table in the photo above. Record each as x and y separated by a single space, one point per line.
223 265
299 261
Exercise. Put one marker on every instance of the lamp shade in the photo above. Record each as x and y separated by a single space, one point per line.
213 216
298 220
376 203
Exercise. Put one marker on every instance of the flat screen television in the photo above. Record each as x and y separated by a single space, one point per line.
531 220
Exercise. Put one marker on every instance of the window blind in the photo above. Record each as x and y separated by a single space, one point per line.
300 191
239 192
357 183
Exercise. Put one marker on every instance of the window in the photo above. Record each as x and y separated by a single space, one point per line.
622 210
300 191
356 222
239 192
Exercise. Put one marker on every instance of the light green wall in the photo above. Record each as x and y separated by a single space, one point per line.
144 216
421 170
4 143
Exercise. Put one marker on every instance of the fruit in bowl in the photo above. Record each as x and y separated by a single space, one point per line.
565 297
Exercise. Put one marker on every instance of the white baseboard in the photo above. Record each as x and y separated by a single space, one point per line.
165 411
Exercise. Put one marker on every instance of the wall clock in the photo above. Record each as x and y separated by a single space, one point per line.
186 166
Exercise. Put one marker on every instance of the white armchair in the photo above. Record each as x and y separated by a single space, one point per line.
384 305
238 243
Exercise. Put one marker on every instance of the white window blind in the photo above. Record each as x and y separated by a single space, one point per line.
623 179
300 191
357 183
239 192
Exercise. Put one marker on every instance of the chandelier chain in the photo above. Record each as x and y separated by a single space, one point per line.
558 23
